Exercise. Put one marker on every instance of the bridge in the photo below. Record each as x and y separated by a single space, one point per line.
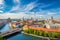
10 32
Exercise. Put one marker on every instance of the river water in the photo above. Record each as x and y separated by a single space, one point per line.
19 36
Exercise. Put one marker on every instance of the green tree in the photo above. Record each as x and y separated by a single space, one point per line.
49 34
54 34
1 38
32 31
40 33
35 32
58 35
45 33
29 30
25 31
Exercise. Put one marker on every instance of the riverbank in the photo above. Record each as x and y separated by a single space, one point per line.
36 36
41 36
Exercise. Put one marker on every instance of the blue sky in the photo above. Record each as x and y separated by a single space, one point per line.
43 8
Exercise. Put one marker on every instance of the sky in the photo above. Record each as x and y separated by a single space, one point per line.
29 8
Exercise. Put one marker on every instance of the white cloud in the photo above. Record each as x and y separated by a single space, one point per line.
13 15
23 14
1 11
1 1
47 5
17 6
29 6
47 12
19 15
16 1
25 8
14 8
51 13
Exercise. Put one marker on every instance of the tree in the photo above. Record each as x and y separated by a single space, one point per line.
34 31
54 34
26 31
45 33
1 38
49 34
40 33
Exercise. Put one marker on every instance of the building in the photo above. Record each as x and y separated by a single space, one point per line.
52 23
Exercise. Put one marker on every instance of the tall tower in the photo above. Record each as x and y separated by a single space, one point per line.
9 19
23 19
51 17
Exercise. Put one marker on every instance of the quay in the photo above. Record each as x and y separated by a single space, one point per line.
10 32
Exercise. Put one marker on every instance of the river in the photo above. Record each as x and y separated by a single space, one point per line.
19 36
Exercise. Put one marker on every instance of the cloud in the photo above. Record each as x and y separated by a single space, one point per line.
13 15
2 5
16 1
51 13
16 7
1 11
30 6
48 5
1 1
48 12
25 8
18 16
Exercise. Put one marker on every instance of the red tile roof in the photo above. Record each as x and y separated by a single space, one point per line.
44 29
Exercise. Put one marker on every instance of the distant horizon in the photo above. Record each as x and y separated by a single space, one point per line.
24 15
